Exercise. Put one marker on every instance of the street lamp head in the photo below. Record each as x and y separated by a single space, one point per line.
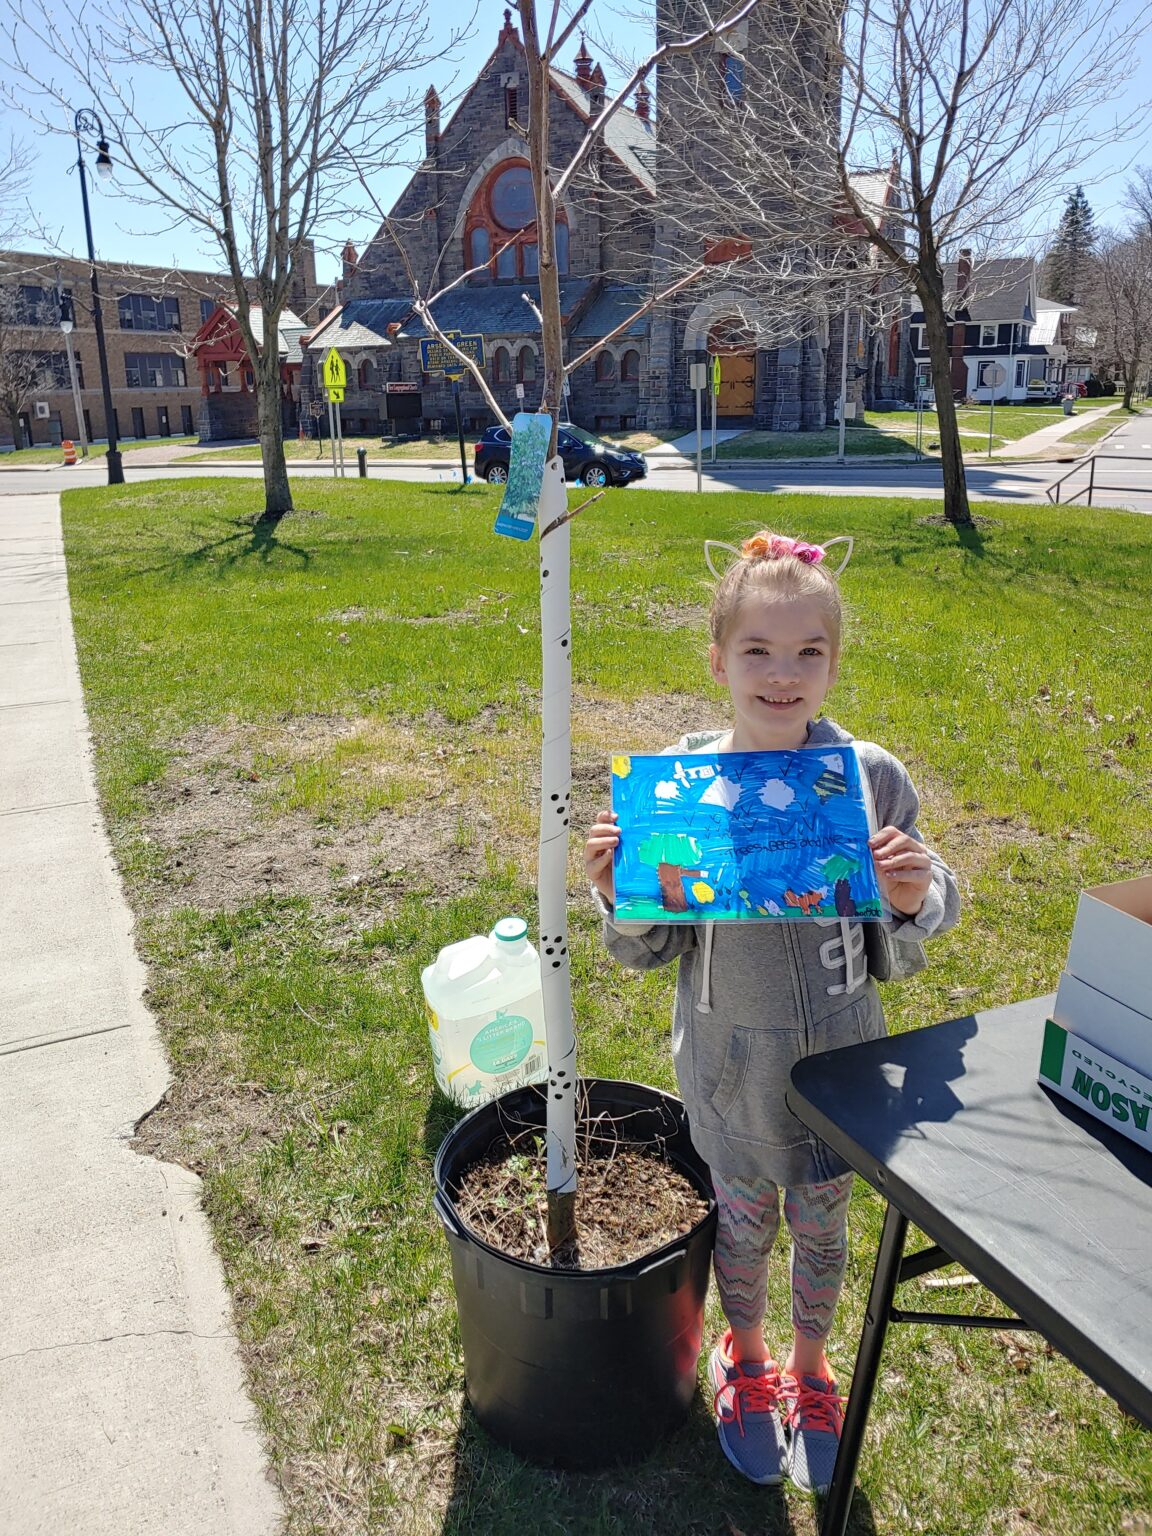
103 160
66 326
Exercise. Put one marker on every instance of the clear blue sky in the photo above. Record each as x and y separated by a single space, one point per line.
123 231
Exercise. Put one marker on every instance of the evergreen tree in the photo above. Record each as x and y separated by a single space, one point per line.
1066 268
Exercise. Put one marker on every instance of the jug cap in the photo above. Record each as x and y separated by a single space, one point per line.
510 930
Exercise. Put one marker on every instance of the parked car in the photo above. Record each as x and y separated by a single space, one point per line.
586 458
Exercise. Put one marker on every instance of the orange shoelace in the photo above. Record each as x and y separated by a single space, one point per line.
810 1408
750 1394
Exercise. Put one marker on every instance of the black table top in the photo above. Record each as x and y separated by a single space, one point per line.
1049 1208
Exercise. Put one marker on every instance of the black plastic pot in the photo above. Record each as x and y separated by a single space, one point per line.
579 1369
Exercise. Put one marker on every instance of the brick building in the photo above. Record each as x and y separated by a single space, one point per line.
151 316
469 210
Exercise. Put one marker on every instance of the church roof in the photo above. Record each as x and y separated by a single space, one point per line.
359 324
630 138
612 307
496 310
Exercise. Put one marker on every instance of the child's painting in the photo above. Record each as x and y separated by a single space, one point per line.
743 836
531 431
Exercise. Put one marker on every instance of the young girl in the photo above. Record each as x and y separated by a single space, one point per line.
753 998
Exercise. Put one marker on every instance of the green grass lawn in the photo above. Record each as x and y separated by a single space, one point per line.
316 748
48 455
445 448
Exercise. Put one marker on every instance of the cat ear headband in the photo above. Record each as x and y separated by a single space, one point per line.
774 546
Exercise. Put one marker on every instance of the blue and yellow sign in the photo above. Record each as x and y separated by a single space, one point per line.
435 357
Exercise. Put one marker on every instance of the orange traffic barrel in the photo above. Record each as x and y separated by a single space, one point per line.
69 448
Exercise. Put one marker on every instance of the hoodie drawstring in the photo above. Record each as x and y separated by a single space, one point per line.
705 1003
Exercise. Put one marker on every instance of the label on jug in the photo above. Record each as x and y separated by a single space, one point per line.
502 1044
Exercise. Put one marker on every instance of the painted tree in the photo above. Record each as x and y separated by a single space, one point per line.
965 103
241 122
1070 254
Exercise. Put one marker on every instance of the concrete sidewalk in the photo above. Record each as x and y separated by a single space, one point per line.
123 1409
1050 437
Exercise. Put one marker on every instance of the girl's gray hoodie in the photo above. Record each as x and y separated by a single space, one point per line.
753 998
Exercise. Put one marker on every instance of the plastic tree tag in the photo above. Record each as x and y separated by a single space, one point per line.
531 432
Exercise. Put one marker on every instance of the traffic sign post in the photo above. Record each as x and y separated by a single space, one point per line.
994 376
698 380
715 397
335 381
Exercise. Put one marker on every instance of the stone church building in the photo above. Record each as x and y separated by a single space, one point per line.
469 210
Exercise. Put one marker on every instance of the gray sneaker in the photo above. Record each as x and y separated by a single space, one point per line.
746 1402
814 1417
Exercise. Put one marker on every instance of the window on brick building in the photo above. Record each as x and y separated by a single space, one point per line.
525 365
154 370
605 366
630 367
207 306
511 105
732 67
501 365
502 220
145 312
366 374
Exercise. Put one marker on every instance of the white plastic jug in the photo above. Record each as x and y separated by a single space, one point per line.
486 1014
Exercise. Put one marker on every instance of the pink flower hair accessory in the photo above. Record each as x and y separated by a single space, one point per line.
776 546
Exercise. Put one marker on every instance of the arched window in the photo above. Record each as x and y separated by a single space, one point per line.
477 248
366 374
501 226
630 367
605 366
500 365
525 365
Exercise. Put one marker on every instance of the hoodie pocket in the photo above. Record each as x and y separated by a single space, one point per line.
748 1100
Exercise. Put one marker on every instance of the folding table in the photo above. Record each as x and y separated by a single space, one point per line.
1047 1207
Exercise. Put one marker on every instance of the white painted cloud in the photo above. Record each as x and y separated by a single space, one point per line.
777 794
834 761
721 791
667 789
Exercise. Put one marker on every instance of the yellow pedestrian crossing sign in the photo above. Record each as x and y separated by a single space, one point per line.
335 375
335 396
715 375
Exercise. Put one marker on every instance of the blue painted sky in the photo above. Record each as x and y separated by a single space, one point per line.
127 233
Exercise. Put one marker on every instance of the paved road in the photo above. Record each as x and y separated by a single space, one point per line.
1119 482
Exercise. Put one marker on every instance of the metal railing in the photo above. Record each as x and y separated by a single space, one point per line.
1094 484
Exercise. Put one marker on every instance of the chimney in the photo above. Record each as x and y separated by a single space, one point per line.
349 261
643 102
583 63
431 120
595 89
304 287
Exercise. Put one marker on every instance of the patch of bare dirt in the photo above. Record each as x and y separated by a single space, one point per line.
221 841
202 1123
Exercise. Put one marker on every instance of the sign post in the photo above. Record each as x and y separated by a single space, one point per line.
335 379
715 397
698 380
435 357
994 376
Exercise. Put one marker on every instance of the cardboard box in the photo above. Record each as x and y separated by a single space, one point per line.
1111 947
1097 1083
1100 1021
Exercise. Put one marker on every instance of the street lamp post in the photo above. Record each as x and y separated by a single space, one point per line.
67 320
86 122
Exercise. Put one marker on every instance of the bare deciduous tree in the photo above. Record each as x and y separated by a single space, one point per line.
980 107
273 103
1119 304
24 369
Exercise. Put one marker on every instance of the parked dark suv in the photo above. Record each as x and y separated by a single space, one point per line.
586 458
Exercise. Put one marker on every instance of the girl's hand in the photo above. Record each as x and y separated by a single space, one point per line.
603 835
904 869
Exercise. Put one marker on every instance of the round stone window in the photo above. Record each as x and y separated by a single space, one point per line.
512 204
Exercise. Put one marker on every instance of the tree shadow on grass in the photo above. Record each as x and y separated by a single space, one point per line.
255 538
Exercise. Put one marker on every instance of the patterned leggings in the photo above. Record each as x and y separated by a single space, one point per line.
817 1217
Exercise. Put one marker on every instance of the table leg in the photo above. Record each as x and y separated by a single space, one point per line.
884 1279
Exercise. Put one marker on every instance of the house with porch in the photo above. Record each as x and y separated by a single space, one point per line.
1006 342
227 382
